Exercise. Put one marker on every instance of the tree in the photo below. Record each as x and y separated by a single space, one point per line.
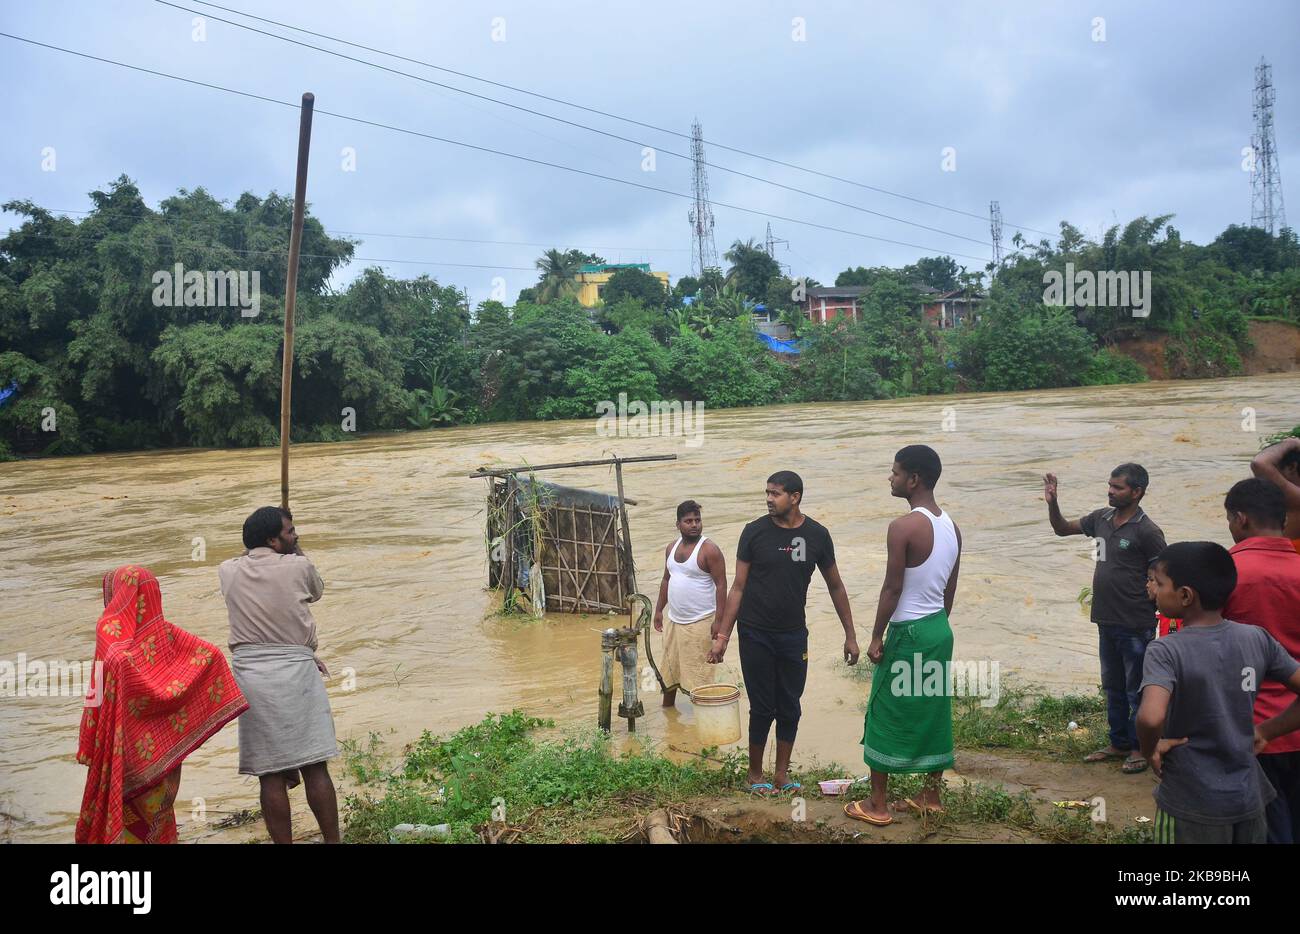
529 364
687 286
731 369
862 275
636 284
559 271
630 361
81 301
837 363
711 282
938 272
751 269
630 314
1024 348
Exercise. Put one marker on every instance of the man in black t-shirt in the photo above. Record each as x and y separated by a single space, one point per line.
774 563
1126 541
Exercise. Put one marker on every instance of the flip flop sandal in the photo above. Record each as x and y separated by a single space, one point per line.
762 789
1133 766
790 786
854 810
1102 755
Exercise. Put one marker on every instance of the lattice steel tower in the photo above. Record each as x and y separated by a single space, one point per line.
704 252
995 231
1266 208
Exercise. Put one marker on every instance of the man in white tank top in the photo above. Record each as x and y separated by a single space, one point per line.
908 726
694 591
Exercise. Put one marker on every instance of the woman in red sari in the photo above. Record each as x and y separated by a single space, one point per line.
161 692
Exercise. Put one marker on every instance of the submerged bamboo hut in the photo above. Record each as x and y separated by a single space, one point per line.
559 548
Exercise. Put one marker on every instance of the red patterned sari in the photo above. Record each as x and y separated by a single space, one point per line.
162 693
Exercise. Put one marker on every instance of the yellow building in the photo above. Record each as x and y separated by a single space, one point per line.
593 276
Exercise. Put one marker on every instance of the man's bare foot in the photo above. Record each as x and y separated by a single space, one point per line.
670 698
759 787
1110 752
929 800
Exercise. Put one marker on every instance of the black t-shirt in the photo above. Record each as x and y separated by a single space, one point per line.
781 563
1119 581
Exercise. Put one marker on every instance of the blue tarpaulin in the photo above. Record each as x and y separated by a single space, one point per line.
778 345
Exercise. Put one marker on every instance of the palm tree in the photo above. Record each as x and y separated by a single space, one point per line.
559 271
740 250
737 256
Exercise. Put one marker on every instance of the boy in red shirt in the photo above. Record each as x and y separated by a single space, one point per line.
1164 625
1268 595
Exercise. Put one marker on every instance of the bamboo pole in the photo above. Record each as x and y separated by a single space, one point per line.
502 471
291 289
630 580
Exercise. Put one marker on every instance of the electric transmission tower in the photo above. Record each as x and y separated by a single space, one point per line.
704 252
1266 208
769 246
995 230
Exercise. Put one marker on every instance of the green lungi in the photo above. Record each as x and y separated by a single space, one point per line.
908 724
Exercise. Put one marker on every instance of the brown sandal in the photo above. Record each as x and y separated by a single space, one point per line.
854 810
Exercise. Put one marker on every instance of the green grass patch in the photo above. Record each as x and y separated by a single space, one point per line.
1032 722
498 769
574 789
1024 719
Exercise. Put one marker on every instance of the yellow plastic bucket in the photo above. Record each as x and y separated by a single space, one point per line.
717 713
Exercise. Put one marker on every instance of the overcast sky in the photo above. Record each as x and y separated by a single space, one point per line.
1042 117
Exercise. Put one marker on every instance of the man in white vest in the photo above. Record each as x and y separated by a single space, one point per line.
694 590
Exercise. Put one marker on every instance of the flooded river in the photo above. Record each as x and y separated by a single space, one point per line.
396 529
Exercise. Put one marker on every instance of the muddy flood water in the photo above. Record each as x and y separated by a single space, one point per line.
396 530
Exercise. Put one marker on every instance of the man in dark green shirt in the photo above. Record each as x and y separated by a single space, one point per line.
1126 541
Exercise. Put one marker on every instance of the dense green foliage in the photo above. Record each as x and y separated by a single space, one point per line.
90 359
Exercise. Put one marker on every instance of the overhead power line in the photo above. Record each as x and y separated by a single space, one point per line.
604 113
395 236
583 126
497 152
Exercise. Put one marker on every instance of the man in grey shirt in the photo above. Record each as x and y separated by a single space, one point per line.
1196 723
288 727
1126 541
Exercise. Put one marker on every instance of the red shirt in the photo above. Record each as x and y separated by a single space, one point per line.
1165 625
1268 595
